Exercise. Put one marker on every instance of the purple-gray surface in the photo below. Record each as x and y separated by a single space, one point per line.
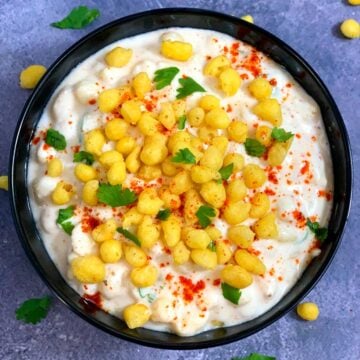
308 26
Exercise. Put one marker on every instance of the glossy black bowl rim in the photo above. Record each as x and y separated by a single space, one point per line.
278 314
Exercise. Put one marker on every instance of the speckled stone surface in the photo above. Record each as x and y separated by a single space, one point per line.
308 26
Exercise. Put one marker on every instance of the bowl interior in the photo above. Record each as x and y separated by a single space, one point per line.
138 24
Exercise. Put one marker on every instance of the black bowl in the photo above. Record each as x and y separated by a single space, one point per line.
137 24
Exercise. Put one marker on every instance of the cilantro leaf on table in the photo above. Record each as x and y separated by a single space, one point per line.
280 134
34 310
204 213
164 77
78 18
254 356
84 157
63 216
321 233
129 235
184 156
182 122
226 171
230 293
254 147
55 139
188 87
163 214
114 195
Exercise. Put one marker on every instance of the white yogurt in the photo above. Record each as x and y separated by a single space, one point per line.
298 187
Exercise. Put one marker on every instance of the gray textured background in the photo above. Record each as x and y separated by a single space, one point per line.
308 26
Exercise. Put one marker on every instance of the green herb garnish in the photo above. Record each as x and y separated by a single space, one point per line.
63 216
55 139
230 293
34 310
129 235
164 77
212 246
85 157
204 214
321 233
226 171
114 195
188 87
163 214
254 356
78 18
280 134
254 147
184 156
182 122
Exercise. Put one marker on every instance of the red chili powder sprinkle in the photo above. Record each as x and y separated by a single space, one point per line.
298 136
313 138
92 101
244 76
89 223
305 168
46 146
75 149
269 192
190 289
254 251
300 218
273 82
272 176
216 282
280 278
167 250
288 85
169 277
325 194
36 140
208 57
272 272
253 63
228 108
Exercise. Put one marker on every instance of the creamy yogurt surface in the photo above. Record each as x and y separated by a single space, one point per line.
185 299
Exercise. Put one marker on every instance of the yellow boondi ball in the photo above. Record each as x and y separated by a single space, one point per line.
30 76
354 2
4 182
88 269
350 28
248 18
308 311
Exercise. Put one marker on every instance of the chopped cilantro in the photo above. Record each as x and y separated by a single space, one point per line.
321 233
129 235
184 156
188 87
164 77
226 171
85 157
163 214
114 195
34 310
55 139
230 293
182 122
78 18
254 147
204 213
63 216
280 134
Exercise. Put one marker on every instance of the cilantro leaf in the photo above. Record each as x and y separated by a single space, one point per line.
230 293
55 139
254 356
280 134
85 157
182 122
188 86
226 171
254 147
114 195
66 214
204 214
184 156
163 214
129 235
212 246
78 18
34 310
320 233
164 77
